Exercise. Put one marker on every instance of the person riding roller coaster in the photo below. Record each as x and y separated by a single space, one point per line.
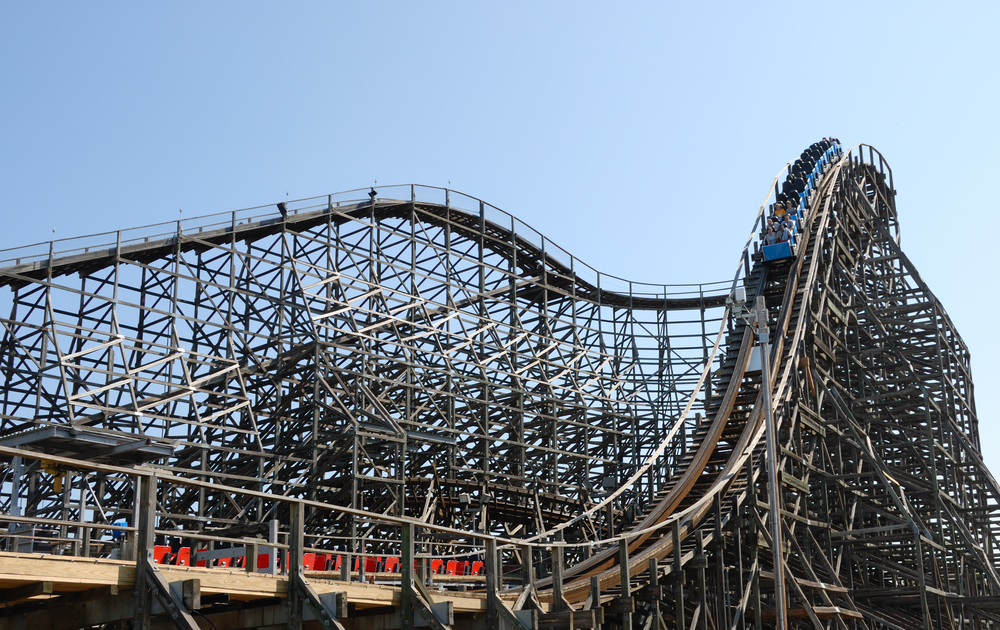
778 233
770 237
796 182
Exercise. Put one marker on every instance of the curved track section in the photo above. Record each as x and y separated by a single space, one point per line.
434 362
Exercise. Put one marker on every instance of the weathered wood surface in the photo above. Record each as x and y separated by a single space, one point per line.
68 574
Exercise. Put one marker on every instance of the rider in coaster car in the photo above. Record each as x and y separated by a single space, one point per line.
771 237
788 224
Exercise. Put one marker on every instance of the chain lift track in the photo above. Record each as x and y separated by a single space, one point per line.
420 375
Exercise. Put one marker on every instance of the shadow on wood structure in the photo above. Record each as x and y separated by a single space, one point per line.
410 410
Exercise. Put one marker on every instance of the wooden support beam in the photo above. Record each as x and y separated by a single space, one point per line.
528 599
677 574
417 606
10 595
300 593
490 565
527 565
498 614
594 597
171 599
627 605
406 574
250 557
700 562
191 594
326 608
295 544
146 508
558 599
656 592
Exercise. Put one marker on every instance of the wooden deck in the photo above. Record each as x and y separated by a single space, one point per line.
86 591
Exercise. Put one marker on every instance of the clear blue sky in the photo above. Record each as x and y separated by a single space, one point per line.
641 137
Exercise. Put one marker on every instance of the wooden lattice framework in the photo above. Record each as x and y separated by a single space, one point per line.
421 360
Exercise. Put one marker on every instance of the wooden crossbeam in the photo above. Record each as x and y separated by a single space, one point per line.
26 591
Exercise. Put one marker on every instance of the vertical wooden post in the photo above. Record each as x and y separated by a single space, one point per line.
15 485
296 540
558 601
755 553
406 577
272 552
738 536
250 561
678 575
361 563
345 567
13 544
701 563
527 566
144 540
83 533
654 585
773 462
626 584
722 610
493 580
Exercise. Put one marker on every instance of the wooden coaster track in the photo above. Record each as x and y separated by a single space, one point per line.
405 378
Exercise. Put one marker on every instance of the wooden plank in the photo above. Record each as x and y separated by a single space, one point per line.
833 588
828 612
66 574
823 612
794 482
80 574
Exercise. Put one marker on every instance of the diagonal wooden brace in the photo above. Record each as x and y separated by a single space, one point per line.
171 602
325 613
439 616
514 620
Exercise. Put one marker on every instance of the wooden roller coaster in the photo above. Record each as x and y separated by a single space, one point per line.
412 410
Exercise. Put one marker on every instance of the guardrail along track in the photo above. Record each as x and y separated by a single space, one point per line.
373 374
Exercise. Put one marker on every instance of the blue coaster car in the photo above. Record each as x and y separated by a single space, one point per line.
779 251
